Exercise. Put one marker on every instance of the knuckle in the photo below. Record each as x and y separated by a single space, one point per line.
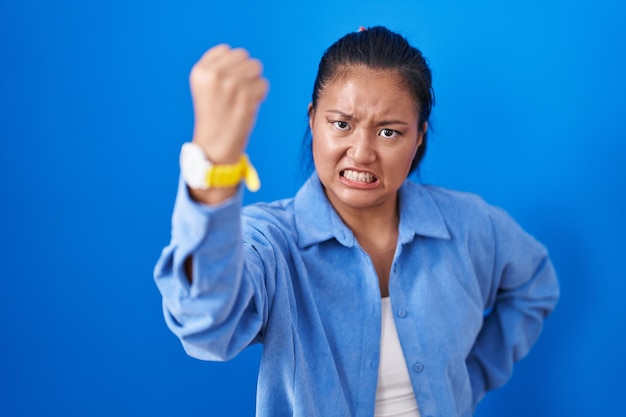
200 75
240 53
256 66
262 88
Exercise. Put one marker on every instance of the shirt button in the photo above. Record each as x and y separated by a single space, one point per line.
401 313
418 367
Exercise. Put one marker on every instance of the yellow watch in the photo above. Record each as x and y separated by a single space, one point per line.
198 172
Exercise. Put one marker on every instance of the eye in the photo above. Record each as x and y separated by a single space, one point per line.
341 125
388 133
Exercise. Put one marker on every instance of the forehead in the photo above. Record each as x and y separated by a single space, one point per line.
362 91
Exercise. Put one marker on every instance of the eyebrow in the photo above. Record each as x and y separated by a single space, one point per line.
379 124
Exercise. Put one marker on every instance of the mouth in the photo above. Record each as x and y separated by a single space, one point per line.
358 177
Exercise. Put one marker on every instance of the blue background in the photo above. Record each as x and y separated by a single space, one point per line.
94 105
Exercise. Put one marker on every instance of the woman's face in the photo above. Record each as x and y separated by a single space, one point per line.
365 136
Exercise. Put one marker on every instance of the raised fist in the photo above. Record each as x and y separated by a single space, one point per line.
227 88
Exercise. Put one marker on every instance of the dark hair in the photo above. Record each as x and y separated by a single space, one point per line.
379 48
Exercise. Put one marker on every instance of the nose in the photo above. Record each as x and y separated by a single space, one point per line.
361 148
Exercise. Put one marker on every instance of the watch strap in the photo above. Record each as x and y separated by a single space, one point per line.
218 176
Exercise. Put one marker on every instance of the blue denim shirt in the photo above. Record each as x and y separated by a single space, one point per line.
291 275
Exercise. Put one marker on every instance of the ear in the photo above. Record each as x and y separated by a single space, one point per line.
421 133
311 112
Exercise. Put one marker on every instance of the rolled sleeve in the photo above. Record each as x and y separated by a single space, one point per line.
217 315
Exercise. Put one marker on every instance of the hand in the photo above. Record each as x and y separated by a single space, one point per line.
227 88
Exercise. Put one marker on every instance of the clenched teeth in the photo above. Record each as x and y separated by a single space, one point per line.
358 176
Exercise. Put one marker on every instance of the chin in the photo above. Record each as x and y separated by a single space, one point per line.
358 199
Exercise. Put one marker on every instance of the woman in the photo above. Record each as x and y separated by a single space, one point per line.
368 291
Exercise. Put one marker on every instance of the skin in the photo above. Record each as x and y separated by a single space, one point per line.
366 122
227 89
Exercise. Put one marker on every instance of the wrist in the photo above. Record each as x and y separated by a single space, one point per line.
220 152
201 173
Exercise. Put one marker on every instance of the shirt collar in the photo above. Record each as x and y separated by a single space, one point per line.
419 214
317 221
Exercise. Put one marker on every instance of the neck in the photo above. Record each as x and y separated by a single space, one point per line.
375 227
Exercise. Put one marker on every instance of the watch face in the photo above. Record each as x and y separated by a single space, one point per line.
194 165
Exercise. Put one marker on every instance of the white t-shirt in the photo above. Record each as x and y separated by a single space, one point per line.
394 392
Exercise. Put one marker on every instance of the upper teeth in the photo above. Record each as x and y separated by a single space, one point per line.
358 176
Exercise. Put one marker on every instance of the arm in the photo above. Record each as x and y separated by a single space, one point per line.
525 290
223 309
211 298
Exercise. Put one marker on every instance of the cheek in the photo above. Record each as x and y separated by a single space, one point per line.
403 160
314 143
317 149
415 149
320 143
